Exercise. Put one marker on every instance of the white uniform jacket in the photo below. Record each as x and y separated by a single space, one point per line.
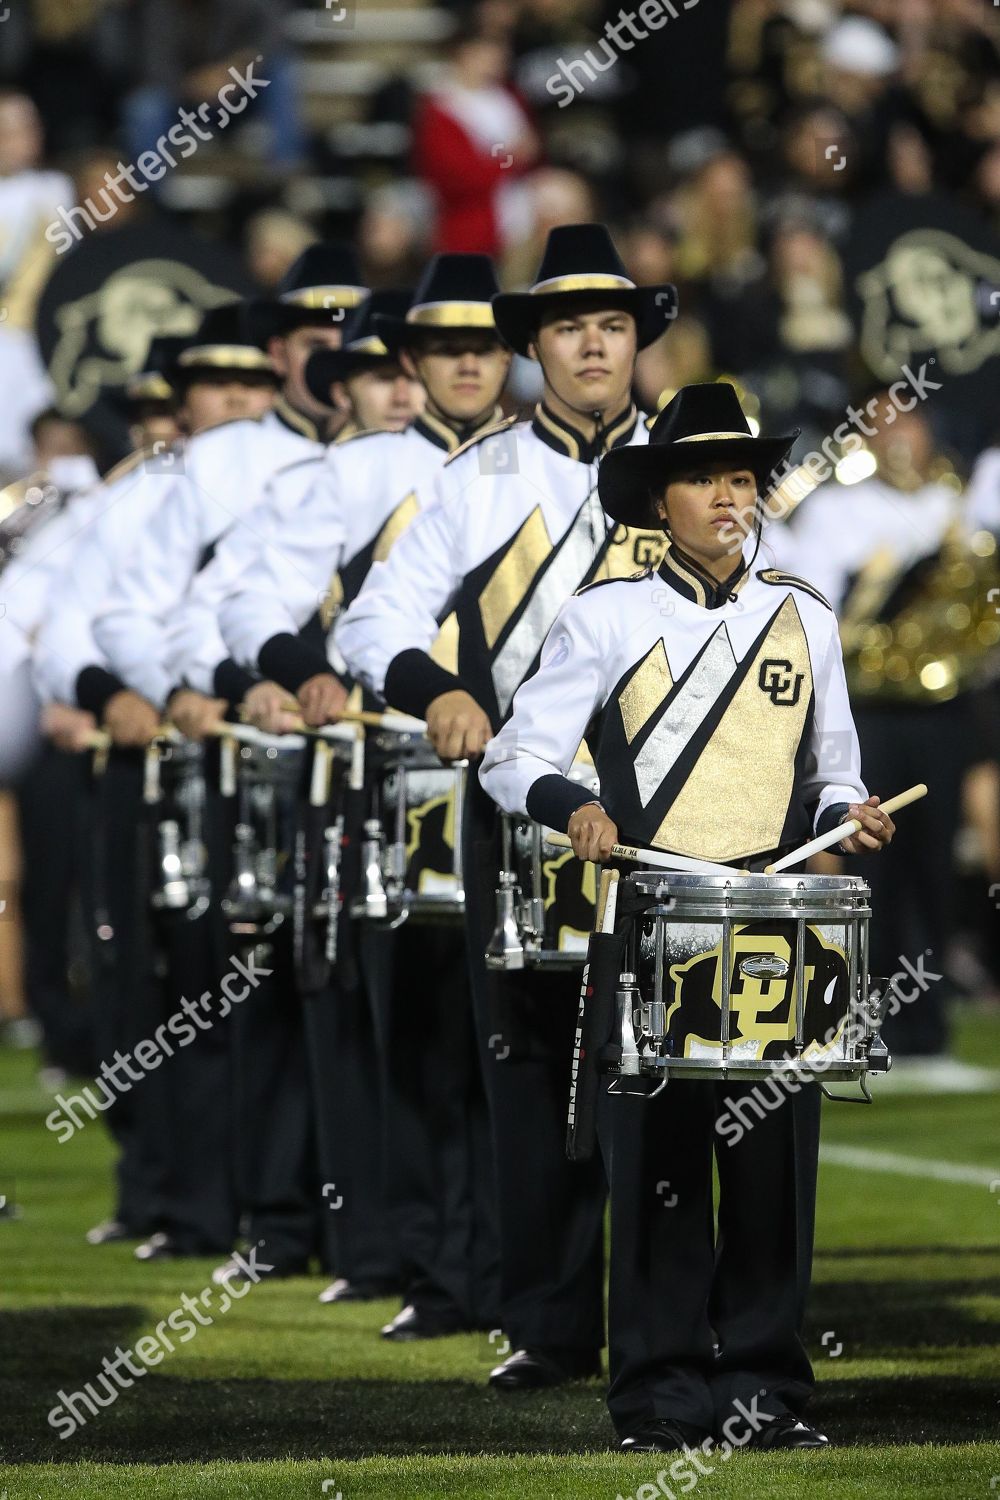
515 527
69 666
220 481
719 725
338 515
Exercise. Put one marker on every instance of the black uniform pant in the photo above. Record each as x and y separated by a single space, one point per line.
677 1289
199 1203
913 880
550 1210
357 1236
439 1152
51 798
127 991
277 1175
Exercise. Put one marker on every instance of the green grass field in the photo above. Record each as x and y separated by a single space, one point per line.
283 1397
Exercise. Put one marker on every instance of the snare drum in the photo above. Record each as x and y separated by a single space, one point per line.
174 782
545 897
266 774
746 976
412 848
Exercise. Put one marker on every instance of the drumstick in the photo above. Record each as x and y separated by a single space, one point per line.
658 858
844 830
396 723
97 739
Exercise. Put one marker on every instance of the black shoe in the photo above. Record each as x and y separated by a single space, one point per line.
787 1431
410 1324
164 1246
343 1290
111 1232
533 1369
159 1246
235 1270
664 1435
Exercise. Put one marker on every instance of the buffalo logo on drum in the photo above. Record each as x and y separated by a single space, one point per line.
762 999
779 682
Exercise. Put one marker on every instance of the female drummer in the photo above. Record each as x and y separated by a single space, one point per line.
712 697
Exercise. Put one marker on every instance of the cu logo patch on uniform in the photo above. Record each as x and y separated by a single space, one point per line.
779 682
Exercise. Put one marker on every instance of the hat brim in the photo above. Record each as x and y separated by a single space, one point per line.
518 314
266 319
628 476
397 333
326 366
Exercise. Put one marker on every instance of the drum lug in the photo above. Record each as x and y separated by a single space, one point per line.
627 1003
173 892
505 949
373 901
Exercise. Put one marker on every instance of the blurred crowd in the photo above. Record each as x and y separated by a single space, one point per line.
734 152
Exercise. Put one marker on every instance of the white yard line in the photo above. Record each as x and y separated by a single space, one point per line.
908 1166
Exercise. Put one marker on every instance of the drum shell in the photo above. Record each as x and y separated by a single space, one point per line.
418 803
756 974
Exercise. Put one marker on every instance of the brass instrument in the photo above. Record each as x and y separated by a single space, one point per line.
926 633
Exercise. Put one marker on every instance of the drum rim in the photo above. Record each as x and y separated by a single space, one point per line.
790 885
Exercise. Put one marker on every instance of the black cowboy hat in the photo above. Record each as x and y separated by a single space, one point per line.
362 349
581 261
219 344
320 288
455 291
150 382
703 424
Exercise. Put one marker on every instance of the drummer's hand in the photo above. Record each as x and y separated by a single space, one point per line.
323 699
270 707
592 833
457 727
67 727
877 827
193 713
130 719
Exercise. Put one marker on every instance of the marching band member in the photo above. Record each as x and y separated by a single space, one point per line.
355 504
516 526
375 394
707 690
222 479
217 374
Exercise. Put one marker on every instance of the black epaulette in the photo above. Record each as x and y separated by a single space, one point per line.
775 575
626 578
477 437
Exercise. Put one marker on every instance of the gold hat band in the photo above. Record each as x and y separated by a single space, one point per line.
225 356
451 315
705 437
370 345
325 296
581 282
148 385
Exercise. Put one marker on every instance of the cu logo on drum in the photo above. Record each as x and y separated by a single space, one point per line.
779 682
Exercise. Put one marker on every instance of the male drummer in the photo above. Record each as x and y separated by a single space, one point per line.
516 526
713 698
350 508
